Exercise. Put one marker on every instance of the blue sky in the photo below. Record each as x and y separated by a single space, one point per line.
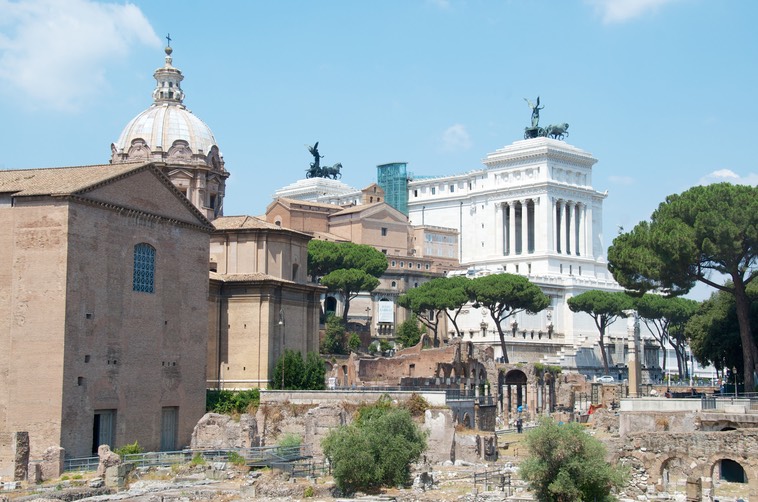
662 92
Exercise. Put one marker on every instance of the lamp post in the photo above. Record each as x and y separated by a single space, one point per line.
734 372
281 326
368 319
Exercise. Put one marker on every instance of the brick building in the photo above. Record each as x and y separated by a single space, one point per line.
103 308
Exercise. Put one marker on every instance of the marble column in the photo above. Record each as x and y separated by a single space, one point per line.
512 228
570 221
581 242
561 226
499 233
525 226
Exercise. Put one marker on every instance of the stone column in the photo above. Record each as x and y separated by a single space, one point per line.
635 356
525 226
499 231
512 228
581 243
571 231
560 225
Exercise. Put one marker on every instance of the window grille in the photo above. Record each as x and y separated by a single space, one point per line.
144 268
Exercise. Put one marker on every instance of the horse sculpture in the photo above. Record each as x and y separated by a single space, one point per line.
332 172
557 131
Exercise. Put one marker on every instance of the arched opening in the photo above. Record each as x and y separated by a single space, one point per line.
512 385
330 305
731 471
672 470
467 421
730 481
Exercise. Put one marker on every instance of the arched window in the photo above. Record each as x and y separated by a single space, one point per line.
144 268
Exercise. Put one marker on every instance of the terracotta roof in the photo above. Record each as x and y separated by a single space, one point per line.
239 222
288 202
246 277
61 180
360 208
327 236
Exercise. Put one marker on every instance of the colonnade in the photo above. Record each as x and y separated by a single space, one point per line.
570 224
518 227
525 227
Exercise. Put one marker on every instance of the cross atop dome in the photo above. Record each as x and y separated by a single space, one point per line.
168 80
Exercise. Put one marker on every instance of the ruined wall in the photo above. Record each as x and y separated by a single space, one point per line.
14 456
664 458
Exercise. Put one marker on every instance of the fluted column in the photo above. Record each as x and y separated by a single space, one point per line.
512 228
525 226
571 230
581 243
561 226
499 238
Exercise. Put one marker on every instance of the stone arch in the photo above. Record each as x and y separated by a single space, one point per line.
513 390
735 467
671 469
467 421
330 305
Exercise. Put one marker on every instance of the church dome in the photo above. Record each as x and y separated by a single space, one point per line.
162 125
167 131
170 134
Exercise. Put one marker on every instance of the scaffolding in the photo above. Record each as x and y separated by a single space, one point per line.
393 179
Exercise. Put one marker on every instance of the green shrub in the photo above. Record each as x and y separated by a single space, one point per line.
354 342
308 492
408 333
566 463
416 405
235 458
376 450
290 440
198 459
129 449
231 401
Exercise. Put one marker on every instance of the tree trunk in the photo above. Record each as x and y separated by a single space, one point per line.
749 348
601 342
501 335
345 310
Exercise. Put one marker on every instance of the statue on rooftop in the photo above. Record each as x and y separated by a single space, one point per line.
316 171
554 131
535 111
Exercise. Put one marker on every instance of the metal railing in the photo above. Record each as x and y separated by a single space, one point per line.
718 403
257 457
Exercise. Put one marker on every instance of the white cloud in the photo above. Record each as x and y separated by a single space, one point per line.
727 175
620 11
455 139
440 4
53 53
621 180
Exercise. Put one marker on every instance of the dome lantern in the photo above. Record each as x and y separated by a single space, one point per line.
169 133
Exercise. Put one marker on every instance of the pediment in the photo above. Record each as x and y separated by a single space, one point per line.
147 190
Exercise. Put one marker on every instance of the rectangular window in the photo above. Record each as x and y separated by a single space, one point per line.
434 190
143 278
452 188
384 231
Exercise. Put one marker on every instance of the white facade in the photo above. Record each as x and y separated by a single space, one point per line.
323 190
531 211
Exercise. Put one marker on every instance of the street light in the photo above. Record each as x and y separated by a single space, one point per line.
281 325
734 372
